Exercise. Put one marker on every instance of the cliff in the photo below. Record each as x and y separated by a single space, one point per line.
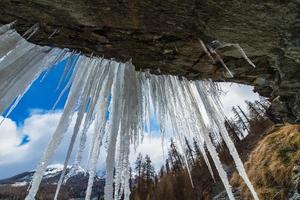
165 35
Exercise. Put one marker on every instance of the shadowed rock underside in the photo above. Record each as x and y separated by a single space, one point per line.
163 36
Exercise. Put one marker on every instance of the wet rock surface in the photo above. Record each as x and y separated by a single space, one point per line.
163 36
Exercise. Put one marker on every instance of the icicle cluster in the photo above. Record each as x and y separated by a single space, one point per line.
20 64
115 102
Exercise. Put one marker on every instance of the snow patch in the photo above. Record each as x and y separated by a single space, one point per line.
19 184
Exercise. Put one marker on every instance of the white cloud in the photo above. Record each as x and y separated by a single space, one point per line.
14 158
10 138
236 94
40 125
154 148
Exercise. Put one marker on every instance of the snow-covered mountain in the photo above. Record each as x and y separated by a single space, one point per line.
74 187
51 175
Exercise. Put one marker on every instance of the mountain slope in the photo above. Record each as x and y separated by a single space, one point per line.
273 166
16 187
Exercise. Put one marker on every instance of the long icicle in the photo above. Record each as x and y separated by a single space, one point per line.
100 127
91 113
219 118
63 125
114 129
210 146
79 118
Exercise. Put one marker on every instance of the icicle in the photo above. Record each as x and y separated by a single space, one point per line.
95 91
64 122
21 65
9 40
132 120
206 50
124 129
162 107
79 118
179 115
7 27
210 146
129 118
219 118
117 92
28 70
140 125
219 58
239 48
67 68
101 103
59 58
193 129
54 32
99 128
21 49
147 100
31 31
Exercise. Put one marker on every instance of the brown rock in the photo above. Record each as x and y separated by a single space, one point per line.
164 34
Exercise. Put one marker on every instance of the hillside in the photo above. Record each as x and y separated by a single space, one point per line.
274 165
16 187
271 160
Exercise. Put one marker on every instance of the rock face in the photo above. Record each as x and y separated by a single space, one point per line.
165 35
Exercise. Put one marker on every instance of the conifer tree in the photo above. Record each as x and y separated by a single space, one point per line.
197 148
139 167
189 152
175 157
148 170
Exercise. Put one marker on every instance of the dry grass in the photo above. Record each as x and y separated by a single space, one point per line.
270 165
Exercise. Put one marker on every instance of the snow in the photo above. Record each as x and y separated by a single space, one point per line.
19 184
53 169
98 86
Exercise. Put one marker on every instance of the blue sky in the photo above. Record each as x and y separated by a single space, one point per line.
41 96
27 130
38 100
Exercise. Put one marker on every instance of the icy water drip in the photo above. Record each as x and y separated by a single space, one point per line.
99 86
